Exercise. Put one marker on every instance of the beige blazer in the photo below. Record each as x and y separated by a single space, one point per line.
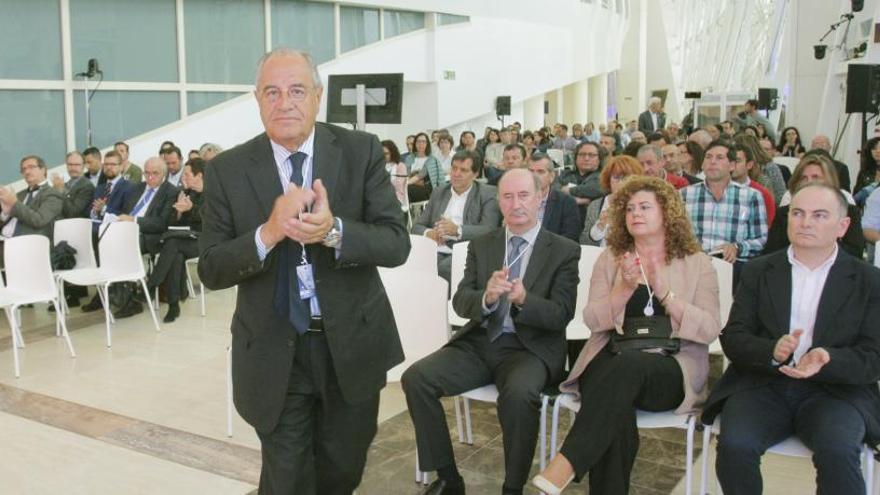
693 280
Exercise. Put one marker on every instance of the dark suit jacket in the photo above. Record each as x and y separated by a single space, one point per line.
550 281
646 125
117 199
842 175
241 186
561 215
154 223
39 216
78 198
846 326
853 240
481 213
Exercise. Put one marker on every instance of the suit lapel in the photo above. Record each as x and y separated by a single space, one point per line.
549 208
327 160
779 291
537 259
495 260
471 205
837 290
263 174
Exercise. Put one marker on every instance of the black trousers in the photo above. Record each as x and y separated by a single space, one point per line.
320 444
832 428
469 362
604 438
171 265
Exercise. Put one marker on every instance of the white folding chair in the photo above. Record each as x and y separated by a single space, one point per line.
788 162
644 419
724 270
422 256
77 232
29 280
558 157
189 283
791 447
229 390
459 257
577 329
120 254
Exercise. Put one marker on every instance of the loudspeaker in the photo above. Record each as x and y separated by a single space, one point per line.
546 107
502 105
858 5
767 98
692 95
862 88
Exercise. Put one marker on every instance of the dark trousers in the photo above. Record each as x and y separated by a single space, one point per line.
604 438
320 444
171 265
469 362
754 420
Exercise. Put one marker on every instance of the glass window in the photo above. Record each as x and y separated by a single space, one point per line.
31 40
359 27
305 26
120 115
196 101
444 19
132 40
399 22
31 123
224 40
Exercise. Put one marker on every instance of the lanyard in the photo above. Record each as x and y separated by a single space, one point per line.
520 255
649 307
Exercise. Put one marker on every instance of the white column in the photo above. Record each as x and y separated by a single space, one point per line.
631 78
533 112
559 109
576 101
598 99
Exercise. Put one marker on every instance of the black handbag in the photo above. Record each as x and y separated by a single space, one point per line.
642 333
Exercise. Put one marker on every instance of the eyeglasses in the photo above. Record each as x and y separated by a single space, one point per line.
152 174
295 93
30 166
589 155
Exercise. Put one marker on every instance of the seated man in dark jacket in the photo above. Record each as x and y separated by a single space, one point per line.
559 212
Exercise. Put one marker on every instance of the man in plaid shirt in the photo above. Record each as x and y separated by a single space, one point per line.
729 218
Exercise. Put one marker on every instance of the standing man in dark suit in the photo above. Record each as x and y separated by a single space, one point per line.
653 119
559 212
458 211
518 291
313 333
804 344
78 191
35 209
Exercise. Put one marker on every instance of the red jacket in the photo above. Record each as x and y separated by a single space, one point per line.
769 203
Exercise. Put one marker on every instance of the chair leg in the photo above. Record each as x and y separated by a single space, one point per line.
189 282
554 428
108 315
469 432
105 301
456 404
704 468
689 456
60 320
150 304
543 432
202 296
229 391
10 315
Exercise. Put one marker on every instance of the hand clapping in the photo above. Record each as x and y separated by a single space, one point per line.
629 270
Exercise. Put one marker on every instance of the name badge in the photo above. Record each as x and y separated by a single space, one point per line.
306 281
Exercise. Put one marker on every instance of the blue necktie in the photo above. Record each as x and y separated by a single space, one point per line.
514 263
288 303
143 202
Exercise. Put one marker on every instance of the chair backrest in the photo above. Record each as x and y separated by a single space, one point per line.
725 287
558 156
788 162
422 255
421 322
28 266
120 249
577 329
78 234
459 257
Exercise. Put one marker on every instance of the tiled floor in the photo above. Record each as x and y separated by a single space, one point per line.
148 416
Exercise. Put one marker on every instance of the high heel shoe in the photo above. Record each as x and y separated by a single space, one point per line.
549 488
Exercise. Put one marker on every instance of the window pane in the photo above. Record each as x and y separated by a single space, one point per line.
196 101
444 19
359 27
31 40
31 123
120 115
224 40
305 26
133 40
399 22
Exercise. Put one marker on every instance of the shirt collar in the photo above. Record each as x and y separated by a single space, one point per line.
282 154
529 235
825 264
462 195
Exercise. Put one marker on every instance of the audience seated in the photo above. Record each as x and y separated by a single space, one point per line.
78 191
559 212
746 173
770 175
804 347
32 210
582 182
651 158
614 174
174 165
458 211
396 171
653 275
822 144
94 166
518 292
425 174
130 172
514 156
816 168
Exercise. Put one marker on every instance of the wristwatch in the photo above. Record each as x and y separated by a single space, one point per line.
332 237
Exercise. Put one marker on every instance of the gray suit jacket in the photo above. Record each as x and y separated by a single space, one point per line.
78 196
39 216
481 213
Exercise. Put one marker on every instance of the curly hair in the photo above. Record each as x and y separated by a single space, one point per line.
680 240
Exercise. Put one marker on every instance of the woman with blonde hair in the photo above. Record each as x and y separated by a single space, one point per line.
653 310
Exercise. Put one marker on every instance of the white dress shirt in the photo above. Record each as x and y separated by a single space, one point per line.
455 213
806 291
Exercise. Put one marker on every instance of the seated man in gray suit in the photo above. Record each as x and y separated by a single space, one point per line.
458 211
518 292
78 191
33 210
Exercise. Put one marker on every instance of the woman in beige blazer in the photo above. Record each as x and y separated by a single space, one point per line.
653 267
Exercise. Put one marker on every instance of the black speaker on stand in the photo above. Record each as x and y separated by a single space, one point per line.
863 92
502 108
